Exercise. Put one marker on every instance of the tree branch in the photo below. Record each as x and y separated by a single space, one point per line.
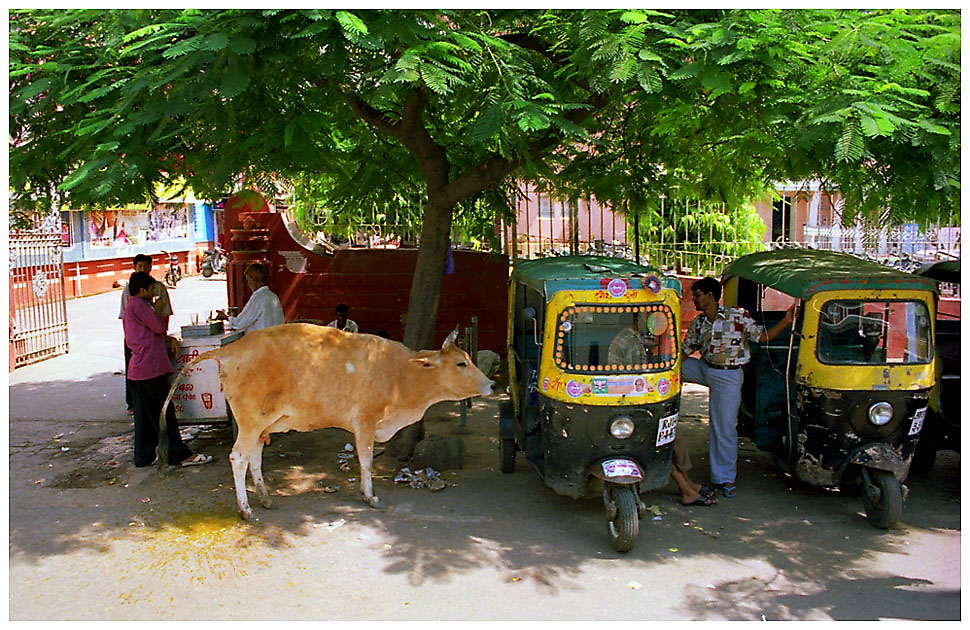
494 169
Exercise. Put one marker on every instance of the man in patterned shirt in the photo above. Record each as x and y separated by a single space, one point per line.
721 335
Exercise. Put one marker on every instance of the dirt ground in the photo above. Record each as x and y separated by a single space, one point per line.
92 538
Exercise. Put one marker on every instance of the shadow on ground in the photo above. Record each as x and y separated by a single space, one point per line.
796 546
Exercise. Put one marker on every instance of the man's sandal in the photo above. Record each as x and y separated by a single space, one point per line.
196 460
707 491
702 501
729 490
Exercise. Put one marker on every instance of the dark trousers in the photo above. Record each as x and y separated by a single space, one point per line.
148 396
128 400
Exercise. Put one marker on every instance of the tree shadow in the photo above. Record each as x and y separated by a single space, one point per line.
799 549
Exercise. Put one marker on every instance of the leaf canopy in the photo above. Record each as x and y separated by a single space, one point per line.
624 104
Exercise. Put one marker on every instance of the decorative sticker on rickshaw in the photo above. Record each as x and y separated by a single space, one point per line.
667 430
616 287
653 283
620 386
566 326
621 468
663 386
918 418
545 384
574 389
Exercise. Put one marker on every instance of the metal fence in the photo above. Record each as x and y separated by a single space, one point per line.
38 311
700 238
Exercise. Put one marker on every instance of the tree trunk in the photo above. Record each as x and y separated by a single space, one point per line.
422 315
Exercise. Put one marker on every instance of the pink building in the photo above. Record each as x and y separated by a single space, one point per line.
546 225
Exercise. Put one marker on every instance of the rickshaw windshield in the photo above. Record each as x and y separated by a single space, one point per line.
619 339
874 332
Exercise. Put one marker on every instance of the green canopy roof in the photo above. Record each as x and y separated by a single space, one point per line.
943 271
803 272
581 272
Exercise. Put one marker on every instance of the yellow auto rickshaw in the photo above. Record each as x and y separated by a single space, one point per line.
594 362
842 399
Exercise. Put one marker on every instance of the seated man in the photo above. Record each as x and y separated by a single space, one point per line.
342 322
262 310
630 346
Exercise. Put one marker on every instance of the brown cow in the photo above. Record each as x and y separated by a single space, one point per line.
301 377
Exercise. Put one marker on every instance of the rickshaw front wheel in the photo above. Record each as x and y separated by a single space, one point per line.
883 498
625 524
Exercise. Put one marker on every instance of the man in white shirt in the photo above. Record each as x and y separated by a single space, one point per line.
347 325
263 308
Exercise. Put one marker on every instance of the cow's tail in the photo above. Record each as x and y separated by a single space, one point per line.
162 448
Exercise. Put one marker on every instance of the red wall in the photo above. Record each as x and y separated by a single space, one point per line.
90 277
374 283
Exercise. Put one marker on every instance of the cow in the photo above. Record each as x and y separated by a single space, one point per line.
302 377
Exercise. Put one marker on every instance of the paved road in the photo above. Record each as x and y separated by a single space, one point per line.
95 364
92 538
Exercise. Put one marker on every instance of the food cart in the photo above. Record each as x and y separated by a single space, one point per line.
198 398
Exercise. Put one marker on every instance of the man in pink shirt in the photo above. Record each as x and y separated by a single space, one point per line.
148 371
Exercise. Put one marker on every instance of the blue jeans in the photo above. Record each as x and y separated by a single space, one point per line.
725 400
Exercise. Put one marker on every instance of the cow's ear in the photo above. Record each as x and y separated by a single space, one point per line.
450 339
424 362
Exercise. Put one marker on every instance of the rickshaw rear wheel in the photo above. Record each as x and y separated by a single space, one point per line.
623 527
924 456
883 498
506 445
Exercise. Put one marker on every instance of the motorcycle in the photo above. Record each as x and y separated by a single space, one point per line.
174 273
213 261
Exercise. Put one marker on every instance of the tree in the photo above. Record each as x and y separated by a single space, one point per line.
447 106
698 236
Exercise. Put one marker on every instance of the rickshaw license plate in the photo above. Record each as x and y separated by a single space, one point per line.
621 468
667 430
918 418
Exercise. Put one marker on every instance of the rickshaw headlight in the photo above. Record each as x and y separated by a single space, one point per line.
880 413
622 427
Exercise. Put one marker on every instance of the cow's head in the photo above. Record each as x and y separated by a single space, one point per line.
456 373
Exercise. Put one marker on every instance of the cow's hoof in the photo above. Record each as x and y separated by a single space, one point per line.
266 502
374 502
246 515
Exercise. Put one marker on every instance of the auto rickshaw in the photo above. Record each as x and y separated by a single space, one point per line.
594 363
842 399
942 428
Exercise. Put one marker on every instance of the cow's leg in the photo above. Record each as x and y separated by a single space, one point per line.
256 470
239 459
365 456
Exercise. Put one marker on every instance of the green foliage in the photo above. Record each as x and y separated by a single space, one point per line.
625 104
697 237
